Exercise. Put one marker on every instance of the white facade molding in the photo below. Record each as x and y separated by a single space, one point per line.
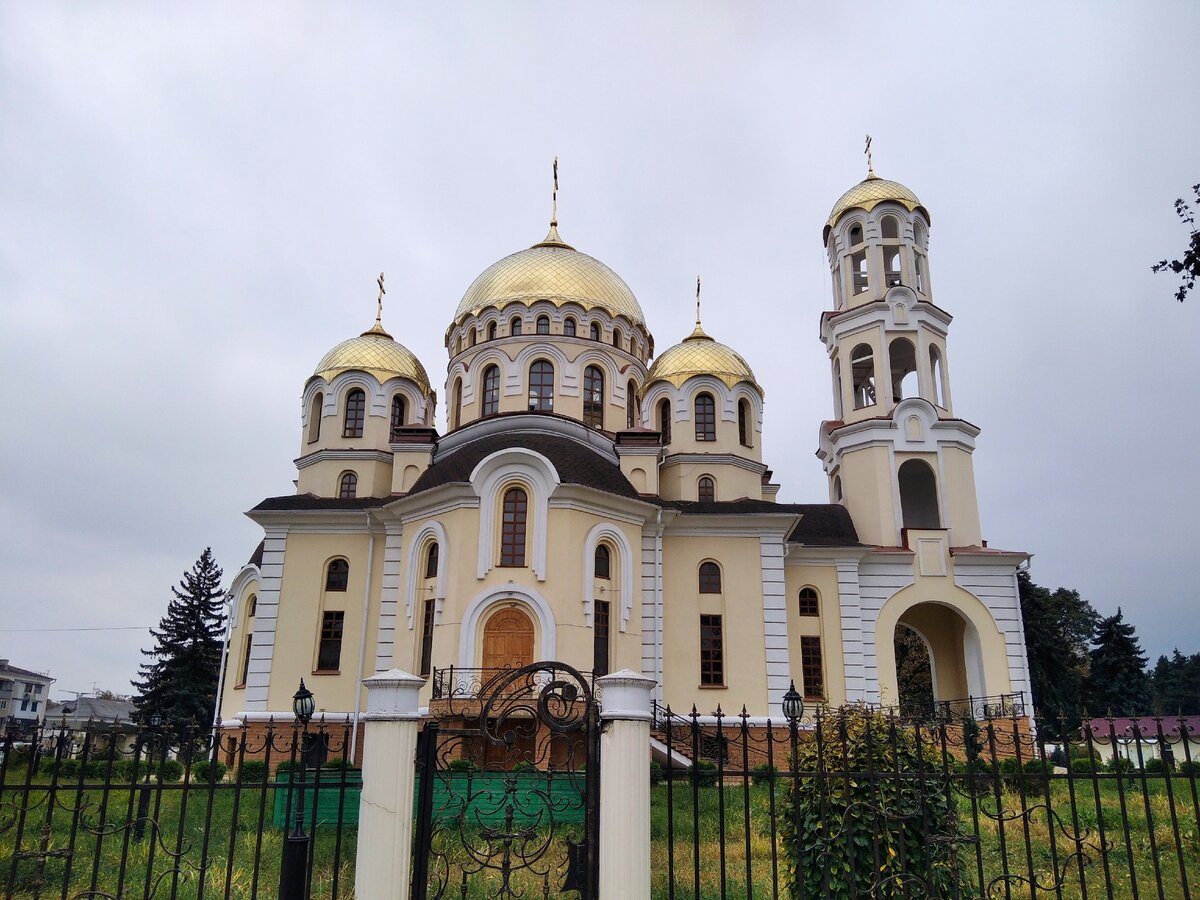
514 467
266 616
853 649
348 454
389 599
428 533
247 576
606 533
506 593
775 622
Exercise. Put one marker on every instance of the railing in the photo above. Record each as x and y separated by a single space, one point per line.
457 683
992 706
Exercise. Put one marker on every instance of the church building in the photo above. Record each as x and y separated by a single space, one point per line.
598 502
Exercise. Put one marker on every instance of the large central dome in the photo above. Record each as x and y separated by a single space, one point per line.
551 270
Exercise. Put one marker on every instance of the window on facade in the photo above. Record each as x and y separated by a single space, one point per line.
600 620
664 420
710 578
617 338
837 388
569 327
543 324
594 331
252 606
706 418
856 235
348 486
512 533
918 495
862 370
904 369
398 413
920 273
515 325
891 265
631 415
593 397
356 411
456 412
426 665
837 488
246 659
744 423
314 417
491 391
889 227
706 489
431 560
603 561
471 336
541 386
712 652
491 331
810 667
810 603
337 575
329 653
858 265
935 375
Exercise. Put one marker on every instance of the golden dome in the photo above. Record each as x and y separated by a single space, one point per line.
377 354
872 191
699 354
551 270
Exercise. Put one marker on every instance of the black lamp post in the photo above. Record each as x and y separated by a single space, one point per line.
793 704
293 869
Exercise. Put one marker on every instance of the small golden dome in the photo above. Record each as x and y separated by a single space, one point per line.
377 354
551 270
699 354
869 193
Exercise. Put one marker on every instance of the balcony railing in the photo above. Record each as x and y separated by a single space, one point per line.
991 706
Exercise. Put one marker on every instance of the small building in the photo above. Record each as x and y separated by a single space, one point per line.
23 698
109 721
1175 739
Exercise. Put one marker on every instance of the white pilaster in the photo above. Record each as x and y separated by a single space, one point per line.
266 616
775 634
625 785
853 649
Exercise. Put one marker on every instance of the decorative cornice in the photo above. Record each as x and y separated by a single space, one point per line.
714 459
317 456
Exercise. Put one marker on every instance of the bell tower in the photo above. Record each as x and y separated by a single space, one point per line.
894 453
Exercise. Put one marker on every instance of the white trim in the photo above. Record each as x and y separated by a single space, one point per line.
775 621
493 595
258 675
601 532
389 596
504 468
437 531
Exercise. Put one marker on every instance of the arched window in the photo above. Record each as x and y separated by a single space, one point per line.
491 390
744 422
356 411
935 374
348 486
491 331
514 326
617 338
904 369
664 420
706 418
891 265
889 227
603 561
471 336
856 235
569 327
512 533
810 602
543 324
631 416
431 560
593 397
862 370
594 331
918 495
837 488
837 388
457 403
541 386
858 266
314 417
919 235
337 575
710 578
706 489
398 413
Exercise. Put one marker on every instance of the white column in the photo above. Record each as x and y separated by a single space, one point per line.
385 812
625 785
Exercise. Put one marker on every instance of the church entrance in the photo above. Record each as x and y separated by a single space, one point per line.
508 640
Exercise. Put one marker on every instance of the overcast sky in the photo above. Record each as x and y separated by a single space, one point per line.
195 202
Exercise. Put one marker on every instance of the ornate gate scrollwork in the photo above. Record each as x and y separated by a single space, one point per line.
508 784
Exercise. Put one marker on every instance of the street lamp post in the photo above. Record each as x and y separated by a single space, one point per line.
293 875
793 711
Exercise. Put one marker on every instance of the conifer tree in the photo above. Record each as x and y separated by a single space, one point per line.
1176 682
1117 683
1058 626
180 684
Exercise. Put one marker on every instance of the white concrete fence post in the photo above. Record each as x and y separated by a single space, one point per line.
385 811
626 712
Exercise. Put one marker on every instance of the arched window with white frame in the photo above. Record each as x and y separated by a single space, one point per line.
356 413
348 486
541 386
593 397
491 391
705 410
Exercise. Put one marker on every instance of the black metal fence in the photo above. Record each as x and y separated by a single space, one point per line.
110 811
865 803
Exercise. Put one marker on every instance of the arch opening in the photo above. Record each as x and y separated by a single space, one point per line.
918 495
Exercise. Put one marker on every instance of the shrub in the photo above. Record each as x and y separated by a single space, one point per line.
656 772
910 812
525 766
1120 765
705 772
252 770
202 770
64 768
1083 765
169 770
461 765
1010 766
1189 767
764 773
1155 766
1038 767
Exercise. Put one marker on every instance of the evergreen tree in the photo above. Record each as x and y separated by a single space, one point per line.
1117 683
1176 685
1058 626
180 684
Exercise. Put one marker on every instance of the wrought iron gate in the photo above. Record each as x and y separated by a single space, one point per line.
508 771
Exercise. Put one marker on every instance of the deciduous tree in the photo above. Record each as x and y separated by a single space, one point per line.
1188 267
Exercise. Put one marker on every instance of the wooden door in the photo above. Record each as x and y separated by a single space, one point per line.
508 640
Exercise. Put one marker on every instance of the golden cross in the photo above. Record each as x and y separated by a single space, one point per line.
870 167
697 299
379 302
554 211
